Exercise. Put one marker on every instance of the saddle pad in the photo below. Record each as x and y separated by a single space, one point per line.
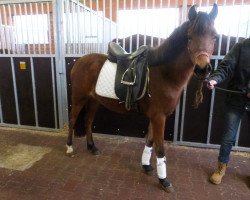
105 85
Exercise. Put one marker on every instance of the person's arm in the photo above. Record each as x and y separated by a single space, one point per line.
248 89
226 67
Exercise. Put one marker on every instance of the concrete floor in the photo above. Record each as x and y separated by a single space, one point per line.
33 166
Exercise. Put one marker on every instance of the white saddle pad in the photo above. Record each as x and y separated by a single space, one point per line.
105 85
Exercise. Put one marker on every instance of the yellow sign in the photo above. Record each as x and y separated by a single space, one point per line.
23 65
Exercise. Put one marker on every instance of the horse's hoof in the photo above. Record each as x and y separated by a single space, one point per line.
166 185
95 151
70 151
148 169
71 155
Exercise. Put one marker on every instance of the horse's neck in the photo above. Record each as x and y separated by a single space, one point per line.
178 70
171 48
183 68
173 57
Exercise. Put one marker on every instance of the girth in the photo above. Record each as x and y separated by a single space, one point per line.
132 74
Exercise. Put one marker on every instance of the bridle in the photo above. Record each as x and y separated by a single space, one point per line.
202 53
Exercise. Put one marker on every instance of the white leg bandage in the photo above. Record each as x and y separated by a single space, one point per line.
69 149
146 155
161 167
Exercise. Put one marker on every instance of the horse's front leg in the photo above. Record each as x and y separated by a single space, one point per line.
158 127
147 152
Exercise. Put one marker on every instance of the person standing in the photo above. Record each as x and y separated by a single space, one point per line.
235 67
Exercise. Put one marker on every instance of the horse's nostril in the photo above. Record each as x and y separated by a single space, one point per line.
196 67
209 68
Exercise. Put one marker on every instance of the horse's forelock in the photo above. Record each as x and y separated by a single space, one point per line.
201 24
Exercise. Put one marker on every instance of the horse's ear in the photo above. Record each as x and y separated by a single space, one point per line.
214 12
192 13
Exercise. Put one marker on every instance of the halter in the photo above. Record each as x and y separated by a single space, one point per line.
191 53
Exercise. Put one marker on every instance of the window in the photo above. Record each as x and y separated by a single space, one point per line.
88 30
31 29
152 22
232 20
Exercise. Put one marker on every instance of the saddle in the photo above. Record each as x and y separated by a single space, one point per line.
132 76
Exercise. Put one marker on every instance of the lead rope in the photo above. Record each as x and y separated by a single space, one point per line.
231 91
198 95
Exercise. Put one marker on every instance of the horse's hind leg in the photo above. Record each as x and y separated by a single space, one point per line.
147 152
76 108
92 107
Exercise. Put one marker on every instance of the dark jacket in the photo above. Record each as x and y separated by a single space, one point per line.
236 67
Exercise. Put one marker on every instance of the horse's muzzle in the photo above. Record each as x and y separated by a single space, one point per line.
203 73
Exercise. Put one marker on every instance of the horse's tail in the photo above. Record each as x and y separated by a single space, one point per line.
198 95
79 130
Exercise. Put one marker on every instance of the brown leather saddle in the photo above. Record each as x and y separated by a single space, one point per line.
132 76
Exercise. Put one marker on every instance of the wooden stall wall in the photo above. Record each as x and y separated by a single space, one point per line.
25 96
7 92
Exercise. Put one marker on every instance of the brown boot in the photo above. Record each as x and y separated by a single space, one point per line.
219 173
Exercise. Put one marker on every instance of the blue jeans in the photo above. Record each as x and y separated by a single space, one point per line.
233 116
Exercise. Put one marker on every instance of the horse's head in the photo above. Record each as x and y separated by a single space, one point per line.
201 38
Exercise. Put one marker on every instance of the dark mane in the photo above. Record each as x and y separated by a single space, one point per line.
201 23
171 47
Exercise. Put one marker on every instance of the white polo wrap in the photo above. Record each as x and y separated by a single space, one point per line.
161 167
69 149
146 155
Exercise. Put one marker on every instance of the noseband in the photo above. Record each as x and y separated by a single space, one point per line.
203 53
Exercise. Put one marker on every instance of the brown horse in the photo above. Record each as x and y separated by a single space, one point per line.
170 67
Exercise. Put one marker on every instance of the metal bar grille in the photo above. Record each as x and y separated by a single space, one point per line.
25 28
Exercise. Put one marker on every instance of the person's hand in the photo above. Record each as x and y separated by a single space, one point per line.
248 94
211 84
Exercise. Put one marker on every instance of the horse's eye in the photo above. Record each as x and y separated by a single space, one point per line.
189 38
